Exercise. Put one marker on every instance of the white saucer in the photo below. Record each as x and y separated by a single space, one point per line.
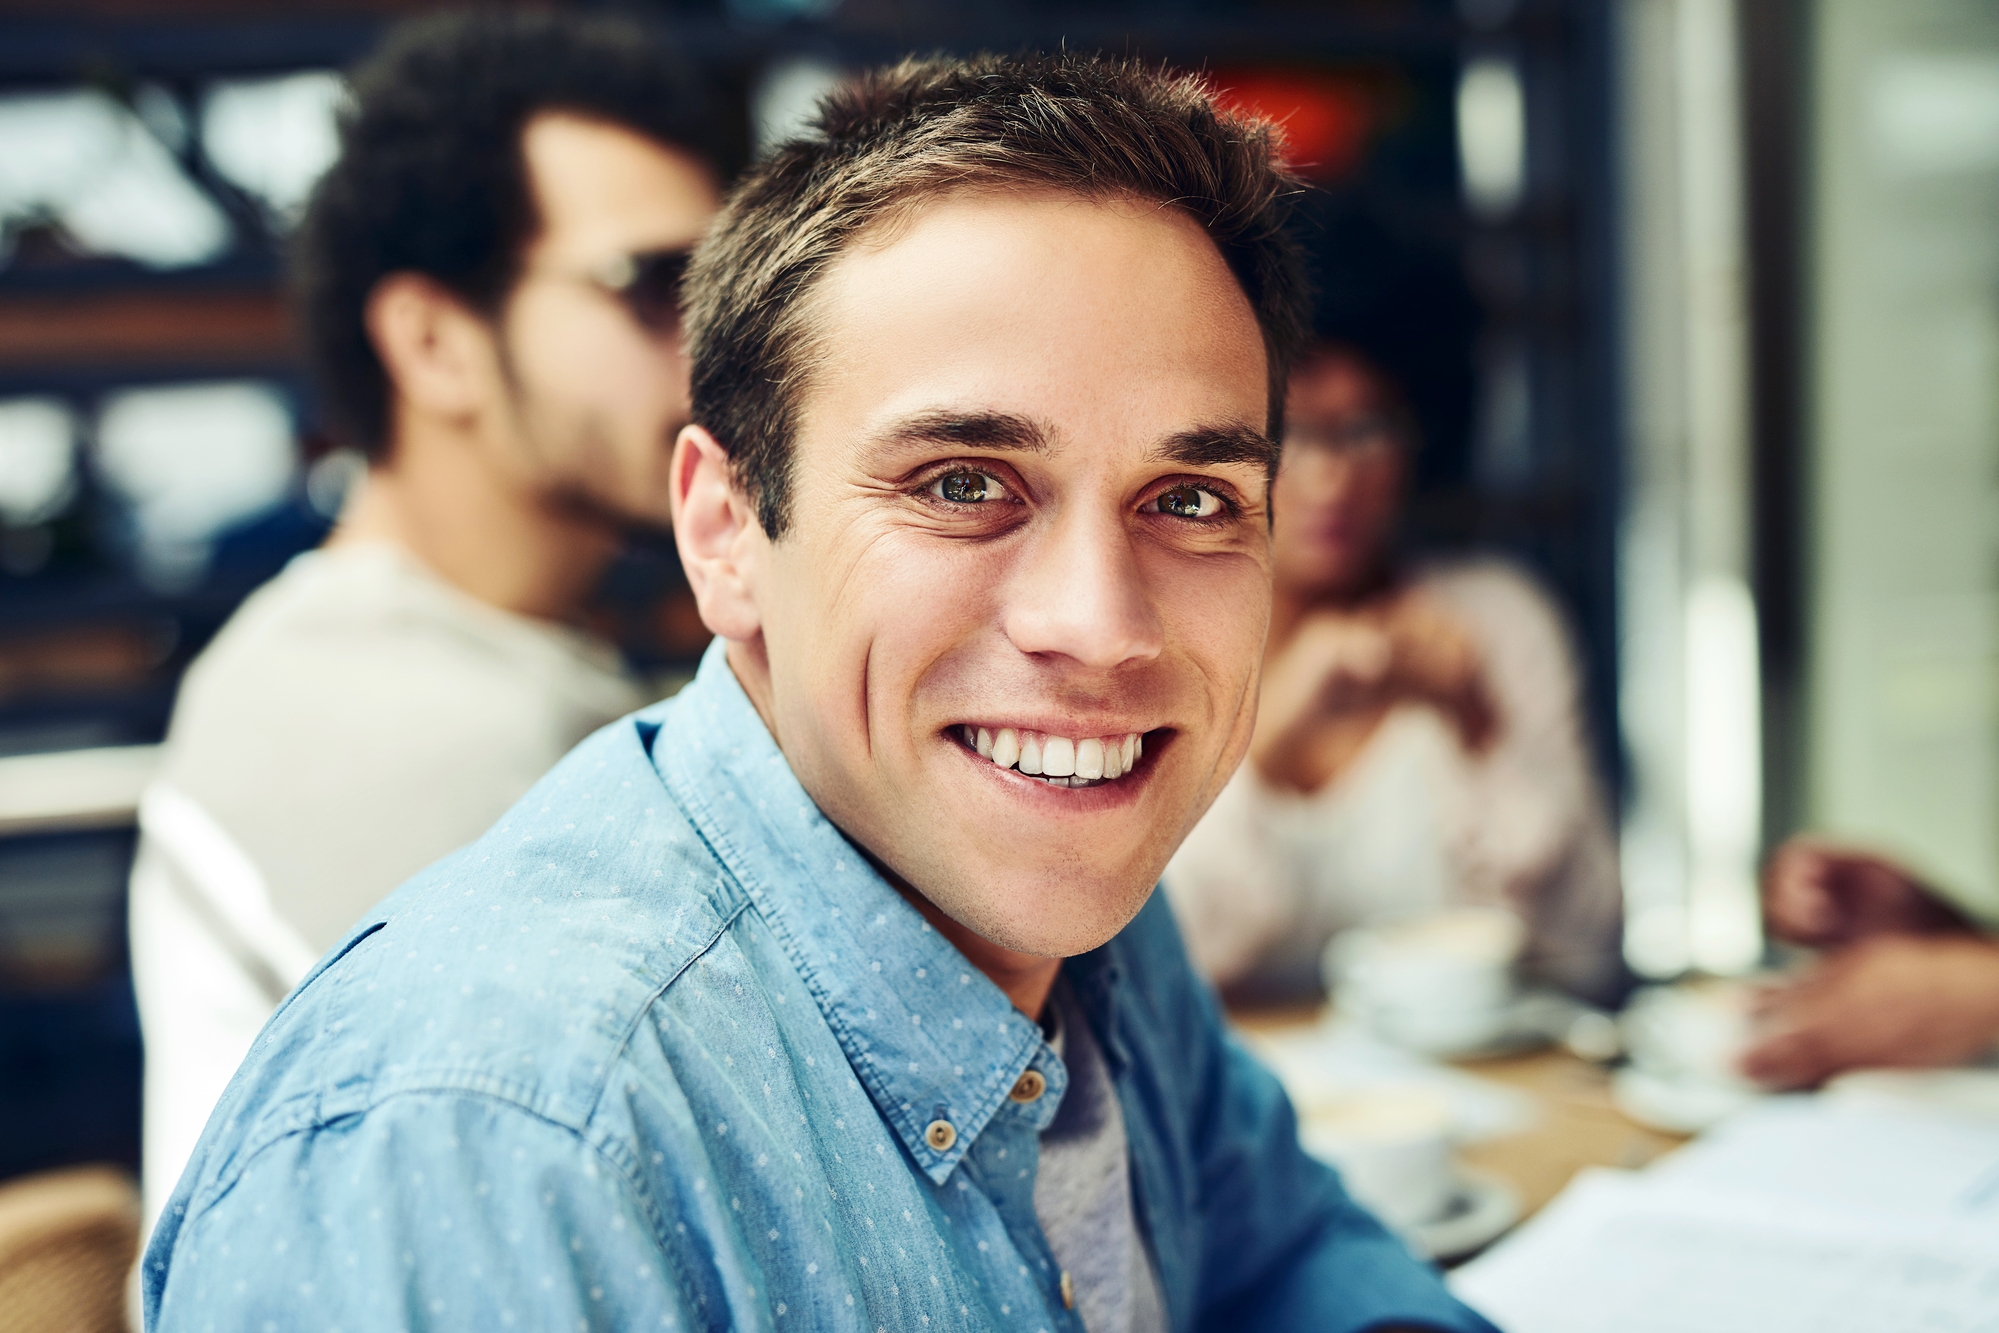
1526 1022
1678 1106
1482 1211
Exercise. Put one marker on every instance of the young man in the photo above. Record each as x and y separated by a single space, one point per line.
487 287
755 1013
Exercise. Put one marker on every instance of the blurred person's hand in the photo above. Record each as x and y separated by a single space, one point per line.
1895 1001
1434 661
1818 893
1325 690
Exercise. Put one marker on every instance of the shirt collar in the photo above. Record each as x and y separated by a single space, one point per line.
930 1037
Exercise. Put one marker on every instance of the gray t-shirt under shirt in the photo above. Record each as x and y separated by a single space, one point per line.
1082 1191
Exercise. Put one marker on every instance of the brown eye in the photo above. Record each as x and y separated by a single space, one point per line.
1188 502
966 488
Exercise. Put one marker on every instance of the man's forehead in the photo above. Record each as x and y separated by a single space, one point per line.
1015 318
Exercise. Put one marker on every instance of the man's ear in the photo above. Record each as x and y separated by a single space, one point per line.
438 354
721 543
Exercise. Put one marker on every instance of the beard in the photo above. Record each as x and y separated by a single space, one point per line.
575 464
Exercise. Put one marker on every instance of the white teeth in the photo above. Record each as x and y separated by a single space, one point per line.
1090 758
1057 760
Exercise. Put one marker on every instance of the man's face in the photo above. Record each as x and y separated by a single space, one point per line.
1028 516
597 396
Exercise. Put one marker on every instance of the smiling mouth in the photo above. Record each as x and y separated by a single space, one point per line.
1059 761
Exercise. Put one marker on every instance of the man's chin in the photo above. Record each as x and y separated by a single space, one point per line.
1055 924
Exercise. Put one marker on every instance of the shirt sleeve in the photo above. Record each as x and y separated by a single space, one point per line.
428 1211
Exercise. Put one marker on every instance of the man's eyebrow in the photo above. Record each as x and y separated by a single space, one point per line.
1218 446
1003 431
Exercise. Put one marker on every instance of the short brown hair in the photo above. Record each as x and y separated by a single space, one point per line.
1090 125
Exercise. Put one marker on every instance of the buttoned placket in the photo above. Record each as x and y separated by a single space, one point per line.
1002 1165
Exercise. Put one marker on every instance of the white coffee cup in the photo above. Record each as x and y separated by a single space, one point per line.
1392 1148
1438 984
1690 1032
1684 1041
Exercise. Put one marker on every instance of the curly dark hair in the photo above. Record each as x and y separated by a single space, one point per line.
431 178
1090 125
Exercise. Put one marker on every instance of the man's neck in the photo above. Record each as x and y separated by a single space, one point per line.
1025 978
441 502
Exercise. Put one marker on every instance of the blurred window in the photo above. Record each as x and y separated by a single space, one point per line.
37 459
1902 483
1937 112
191 461
86 163
274 137
1492 135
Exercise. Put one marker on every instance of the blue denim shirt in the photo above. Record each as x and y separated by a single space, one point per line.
662 1051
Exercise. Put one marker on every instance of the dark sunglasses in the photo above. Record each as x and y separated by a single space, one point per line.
648 283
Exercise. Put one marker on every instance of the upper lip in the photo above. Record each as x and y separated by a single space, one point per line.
1057 728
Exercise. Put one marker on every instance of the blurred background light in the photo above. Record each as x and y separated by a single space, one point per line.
330 478
1327 116
787 93
37 459
95 169
1492 135
1937 113
1724 767
274 137
190 461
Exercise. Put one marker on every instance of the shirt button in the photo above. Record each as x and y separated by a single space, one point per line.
941 1135
1029 1086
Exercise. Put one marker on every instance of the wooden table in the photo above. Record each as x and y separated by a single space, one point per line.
1577 1126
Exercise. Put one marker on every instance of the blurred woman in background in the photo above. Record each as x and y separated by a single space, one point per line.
1420 743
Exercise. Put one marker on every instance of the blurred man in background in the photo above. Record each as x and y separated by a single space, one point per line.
487 280
1907 979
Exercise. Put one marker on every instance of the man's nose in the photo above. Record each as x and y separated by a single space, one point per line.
1080 593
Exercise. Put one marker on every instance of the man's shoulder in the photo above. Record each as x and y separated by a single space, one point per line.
358 634
337 696
514 969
